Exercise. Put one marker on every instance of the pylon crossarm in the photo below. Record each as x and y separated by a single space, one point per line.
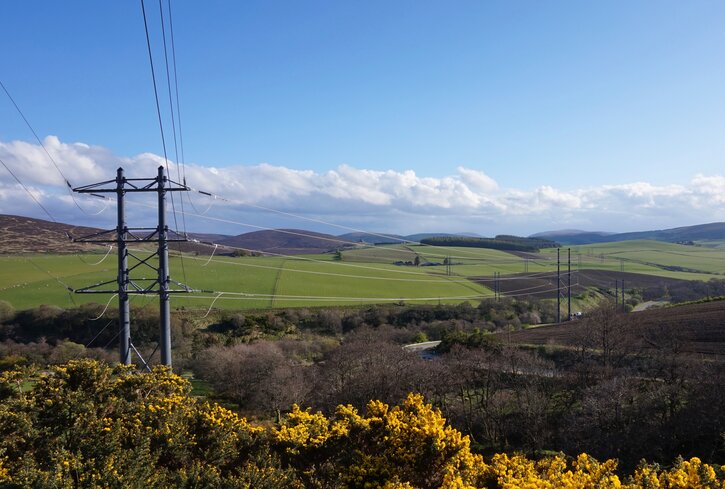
86 189
86 291
184 286
181 185
90 288
151 189
139 179
109 240
139 289
150 236
136 237
85 239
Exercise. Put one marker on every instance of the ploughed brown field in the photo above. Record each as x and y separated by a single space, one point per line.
580 281
688 329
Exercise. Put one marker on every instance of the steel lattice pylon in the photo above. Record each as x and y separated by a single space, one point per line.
122 235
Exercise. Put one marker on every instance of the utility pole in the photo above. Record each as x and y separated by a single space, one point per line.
568 286
124 310
126 285
163 273
558 286
623 309
616 294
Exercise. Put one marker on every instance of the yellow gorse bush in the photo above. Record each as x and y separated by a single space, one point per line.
86 424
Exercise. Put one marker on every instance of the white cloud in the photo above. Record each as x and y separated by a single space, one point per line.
389 201
478 180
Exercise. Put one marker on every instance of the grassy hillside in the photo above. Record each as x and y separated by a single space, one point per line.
360 276
251 282
645 255
20 234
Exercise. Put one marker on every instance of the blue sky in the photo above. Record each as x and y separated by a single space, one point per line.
549 100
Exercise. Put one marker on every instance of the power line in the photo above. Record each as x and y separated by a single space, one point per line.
442 280
320 221
301 298
110 248
297 257
28 191
37 138
437 280
153 79
171 107
63 284
341 241
173 129
176 89
367 267
110 321
158 106
52 160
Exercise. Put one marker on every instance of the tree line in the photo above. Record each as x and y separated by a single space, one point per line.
500 242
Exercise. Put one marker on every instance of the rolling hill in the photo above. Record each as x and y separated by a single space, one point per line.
286 241
710 231
373 238
385 238
20 234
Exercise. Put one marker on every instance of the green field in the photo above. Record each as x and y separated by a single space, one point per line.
651 257
245 282
358 276
712 243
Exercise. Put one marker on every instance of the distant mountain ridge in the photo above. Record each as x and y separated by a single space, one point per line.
387 238
373 238
19 234
714 230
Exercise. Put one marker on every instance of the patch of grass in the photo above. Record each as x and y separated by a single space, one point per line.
201 388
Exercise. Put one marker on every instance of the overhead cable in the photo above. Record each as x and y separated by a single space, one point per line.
52 160
28 191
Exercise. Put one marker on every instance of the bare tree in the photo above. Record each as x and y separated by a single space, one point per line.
366 366
257 375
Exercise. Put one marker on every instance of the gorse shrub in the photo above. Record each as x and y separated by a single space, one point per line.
86 424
